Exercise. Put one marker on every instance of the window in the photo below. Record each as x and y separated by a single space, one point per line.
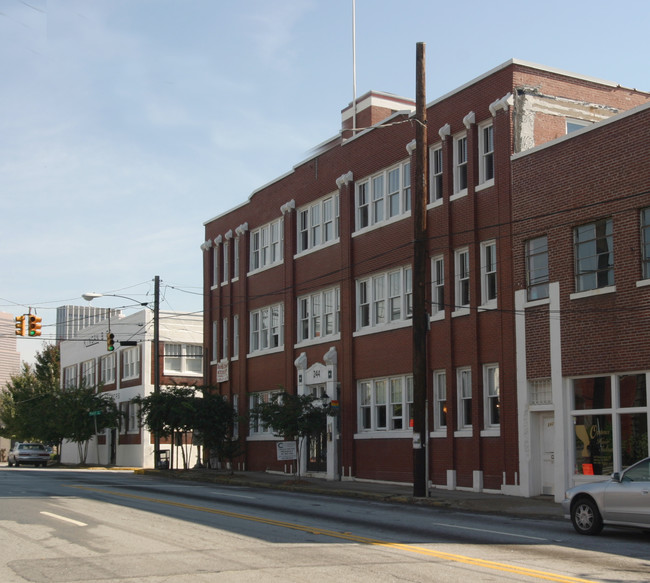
319 315
384 196
256 427
130 417
215 265
318 224
594 255
537 268
384 298
235 259
107 366
645 242
266 245
438 286
573 125
439 400
486 153
226 263
488 273
183 359
385 404
435 183
131 363
460 164
464 390
491 395
267 328
88 373
462 278
70 377
224 339
215 341
235 336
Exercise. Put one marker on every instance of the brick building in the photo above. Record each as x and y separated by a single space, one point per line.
308 283
581 234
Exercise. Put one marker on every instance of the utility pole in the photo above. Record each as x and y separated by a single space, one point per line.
420 312
156 362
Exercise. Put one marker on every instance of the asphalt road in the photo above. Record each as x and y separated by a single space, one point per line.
62 525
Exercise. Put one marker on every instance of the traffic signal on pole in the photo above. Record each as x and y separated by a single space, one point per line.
20 325
110 342
35 325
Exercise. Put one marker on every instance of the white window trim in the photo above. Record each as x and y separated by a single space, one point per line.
490 429
460 192
482 181
435 201
266 244
216 250
439 430
488 304
374 325
107 364
215 343
136 363
407 405
323 337
461 309
235 337
226 263
268 349
311 244
267 433
465 429
436 313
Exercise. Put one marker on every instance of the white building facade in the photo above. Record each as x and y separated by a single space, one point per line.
126 373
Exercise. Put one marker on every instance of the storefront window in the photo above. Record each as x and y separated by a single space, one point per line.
594 445
592 393
634 438
632 390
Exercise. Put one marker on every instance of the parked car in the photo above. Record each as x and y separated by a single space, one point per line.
624 500
28 453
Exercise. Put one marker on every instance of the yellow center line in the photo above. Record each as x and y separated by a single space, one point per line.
503 567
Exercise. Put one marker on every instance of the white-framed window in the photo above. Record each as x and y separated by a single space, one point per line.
215 341
131 363
573 125
107 368
385 298
215 265
464 393
645 242
235 258
318 224
319 315
267 328
438 286
460 164
183 359
235 336
226 262
488 273
594 255
435 173
537 276
224 338
256 427
88 373
130 418
266 245
70 377
385 404
461 260
486 153
439 400
491 396
384 196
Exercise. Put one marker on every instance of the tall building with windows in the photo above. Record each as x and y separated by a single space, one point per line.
127 372
308 284
71 319
9 364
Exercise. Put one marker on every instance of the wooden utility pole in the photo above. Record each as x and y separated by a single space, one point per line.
420 312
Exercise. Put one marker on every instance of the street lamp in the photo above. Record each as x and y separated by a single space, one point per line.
156 347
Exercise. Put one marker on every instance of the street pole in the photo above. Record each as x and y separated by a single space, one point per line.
420 313
156 362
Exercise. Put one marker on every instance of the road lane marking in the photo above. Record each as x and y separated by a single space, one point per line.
456 526
486 564
64 518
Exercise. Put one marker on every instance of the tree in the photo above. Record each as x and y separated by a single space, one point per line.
293 417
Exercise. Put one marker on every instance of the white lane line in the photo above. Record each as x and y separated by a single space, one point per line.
458 527
64 518
232 495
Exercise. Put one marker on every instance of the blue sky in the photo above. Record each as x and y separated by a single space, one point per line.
126 124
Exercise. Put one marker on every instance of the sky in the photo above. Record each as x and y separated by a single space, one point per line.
125 125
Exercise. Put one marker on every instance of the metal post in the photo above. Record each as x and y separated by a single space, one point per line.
156 362
420 314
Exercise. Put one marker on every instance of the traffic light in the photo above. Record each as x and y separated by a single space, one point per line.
110 342
20 325
35 325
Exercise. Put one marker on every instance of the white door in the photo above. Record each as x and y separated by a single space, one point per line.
547 429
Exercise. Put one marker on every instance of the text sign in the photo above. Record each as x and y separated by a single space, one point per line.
93 413
286 450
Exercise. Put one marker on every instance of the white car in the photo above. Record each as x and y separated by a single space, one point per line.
624 500
28 453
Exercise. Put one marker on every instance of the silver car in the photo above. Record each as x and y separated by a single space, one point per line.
624 500
28 453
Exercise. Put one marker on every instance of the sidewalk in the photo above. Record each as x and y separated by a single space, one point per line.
537 507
